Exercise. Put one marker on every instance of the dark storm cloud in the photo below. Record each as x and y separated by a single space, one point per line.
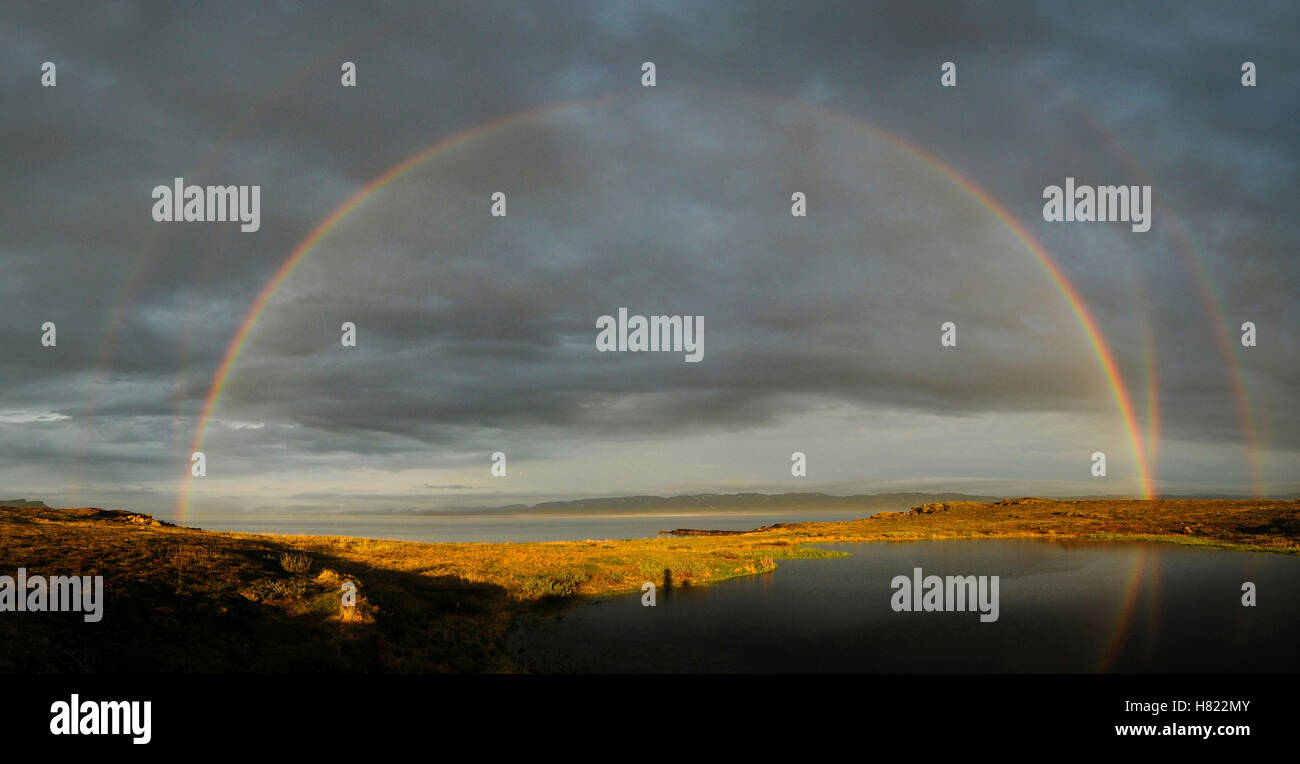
248 93
491 323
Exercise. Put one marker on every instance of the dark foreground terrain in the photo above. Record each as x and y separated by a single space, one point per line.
187 600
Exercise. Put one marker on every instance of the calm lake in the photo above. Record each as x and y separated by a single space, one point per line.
1074 607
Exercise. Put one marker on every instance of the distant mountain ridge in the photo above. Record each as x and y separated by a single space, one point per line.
740 503
720 503
735 503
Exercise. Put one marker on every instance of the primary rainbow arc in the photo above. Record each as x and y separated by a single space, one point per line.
1087 321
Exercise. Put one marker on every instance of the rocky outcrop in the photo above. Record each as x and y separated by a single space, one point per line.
135 518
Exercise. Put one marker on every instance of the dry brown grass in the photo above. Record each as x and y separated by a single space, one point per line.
181 599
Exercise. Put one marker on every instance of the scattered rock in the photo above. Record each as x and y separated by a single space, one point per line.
697 532
928 509
135 518
1077 513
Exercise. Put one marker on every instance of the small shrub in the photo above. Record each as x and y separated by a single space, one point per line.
272 590
295 563
562 584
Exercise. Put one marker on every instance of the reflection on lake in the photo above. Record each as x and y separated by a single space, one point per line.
1070 607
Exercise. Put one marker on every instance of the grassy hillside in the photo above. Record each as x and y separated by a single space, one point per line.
181 599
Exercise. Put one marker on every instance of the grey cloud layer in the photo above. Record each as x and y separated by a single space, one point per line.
677 205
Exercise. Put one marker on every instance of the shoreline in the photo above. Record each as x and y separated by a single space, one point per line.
185 600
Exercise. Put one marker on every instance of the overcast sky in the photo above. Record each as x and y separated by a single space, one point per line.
477 334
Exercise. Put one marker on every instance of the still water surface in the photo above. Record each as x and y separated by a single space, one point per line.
1064 607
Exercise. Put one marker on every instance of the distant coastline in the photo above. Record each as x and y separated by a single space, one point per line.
176 596
749 503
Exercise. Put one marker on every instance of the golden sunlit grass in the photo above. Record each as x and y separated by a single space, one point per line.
181 599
